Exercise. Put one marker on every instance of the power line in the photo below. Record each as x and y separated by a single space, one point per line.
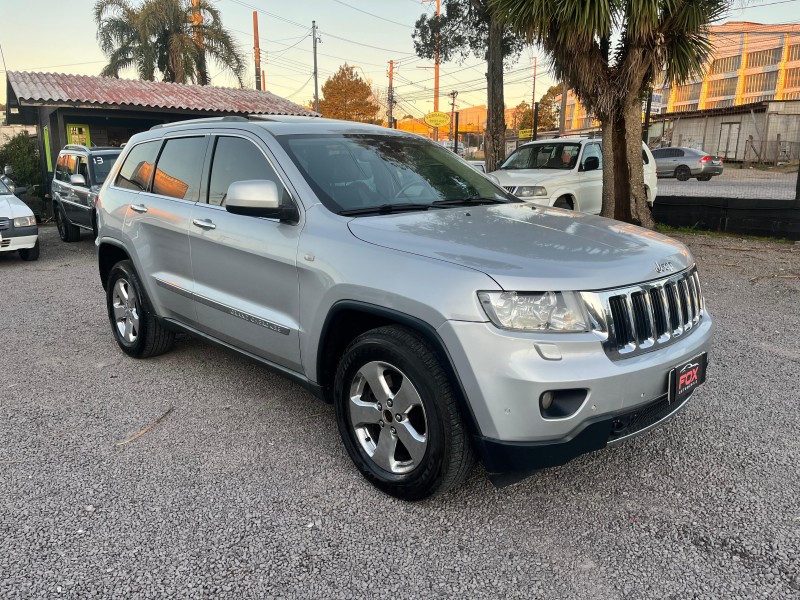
371 14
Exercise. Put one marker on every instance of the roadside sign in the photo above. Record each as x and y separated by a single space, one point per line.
437 119
526 133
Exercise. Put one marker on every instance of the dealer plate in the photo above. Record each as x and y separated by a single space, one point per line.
687 376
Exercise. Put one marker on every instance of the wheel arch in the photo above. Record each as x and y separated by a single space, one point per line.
109 254
347 319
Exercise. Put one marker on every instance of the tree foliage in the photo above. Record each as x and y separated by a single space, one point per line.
165 37
549 108
465 28
609 53
22 153
346 96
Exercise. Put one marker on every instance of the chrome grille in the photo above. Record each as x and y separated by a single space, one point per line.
510 188
647 316
4 223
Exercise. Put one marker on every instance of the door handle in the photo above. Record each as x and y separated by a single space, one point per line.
204 224
140 208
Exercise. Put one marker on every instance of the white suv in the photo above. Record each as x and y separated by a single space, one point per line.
565 172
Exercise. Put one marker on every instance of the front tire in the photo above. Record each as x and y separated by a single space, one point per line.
30 253
137 330
398 417
66 230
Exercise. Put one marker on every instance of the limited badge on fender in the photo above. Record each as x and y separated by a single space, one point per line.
684 378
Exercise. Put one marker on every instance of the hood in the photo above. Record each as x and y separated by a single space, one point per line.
12 207
517 177
530 248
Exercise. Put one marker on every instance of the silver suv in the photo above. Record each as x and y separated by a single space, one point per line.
442 317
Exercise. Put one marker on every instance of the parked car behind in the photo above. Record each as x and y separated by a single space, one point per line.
18 229
441 316
565 173
80 171
685 163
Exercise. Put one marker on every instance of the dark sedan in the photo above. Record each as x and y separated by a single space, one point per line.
685 163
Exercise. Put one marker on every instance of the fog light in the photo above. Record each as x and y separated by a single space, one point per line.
546 400
560 404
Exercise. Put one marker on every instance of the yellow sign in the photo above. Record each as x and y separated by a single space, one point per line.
526 133
437 119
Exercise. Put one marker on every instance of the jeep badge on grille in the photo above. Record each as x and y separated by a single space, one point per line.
664 267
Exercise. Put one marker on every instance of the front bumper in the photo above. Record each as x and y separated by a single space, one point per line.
504 374
18 238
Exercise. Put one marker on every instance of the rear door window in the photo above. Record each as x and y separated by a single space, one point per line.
137 169
180 167
238 159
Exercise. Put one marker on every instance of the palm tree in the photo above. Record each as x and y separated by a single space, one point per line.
174 37
610 52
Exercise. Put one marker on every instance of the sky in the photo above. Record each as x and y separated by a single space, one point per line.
58 36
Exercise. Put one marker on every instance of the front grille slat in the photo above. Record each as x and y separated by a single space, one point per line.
4 223
650 315
510 188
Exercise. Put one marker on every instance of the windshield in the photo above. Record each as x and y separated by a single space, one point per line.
544 156
3 188
101 165
356 173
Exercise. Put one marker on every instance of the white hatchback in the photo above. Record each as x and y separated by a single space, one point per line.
18 229
565 172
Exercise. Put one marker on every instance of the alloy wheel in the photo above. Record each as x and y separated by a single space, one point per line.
388 417
126 310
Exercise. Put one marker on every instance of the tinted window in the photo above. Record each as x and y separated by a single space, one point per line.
138 166
544 156
83 169
61 167
678 153
237 159
593 150
101 166
366 172
658 153
179 168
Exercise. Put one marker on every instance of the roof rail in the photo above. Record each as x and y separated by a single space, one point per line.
203 120
80 147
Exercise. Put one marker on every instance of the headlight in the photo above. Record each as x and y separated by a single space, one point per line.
531 191
24 221
534 311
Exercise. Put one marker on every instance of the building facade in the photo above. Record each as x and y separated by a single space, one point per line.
752 63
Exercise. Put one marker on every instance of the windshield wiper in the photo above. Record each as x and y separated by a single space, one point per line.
468 202
383 209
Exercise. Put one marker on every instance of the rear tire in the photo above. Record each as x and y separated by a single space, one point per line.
565 202
137 330
425 452
683 173
704 178
66 230
30 253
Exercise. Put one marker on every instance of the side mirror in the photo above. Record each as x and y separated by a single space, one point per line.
258 198
20 191
8 170
592 163
77 179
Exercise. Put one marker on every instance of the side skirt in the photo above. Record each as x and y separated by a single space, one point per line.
312 387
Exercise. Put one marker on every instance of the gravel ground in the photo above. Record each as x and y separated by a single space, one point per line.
245 490
735 183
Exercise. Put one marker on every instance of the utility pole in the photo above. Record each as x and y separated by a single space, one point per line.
533 92
535 120
316 82
455 140
648 107
256 49
263 81
390 98
452 95
436 71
